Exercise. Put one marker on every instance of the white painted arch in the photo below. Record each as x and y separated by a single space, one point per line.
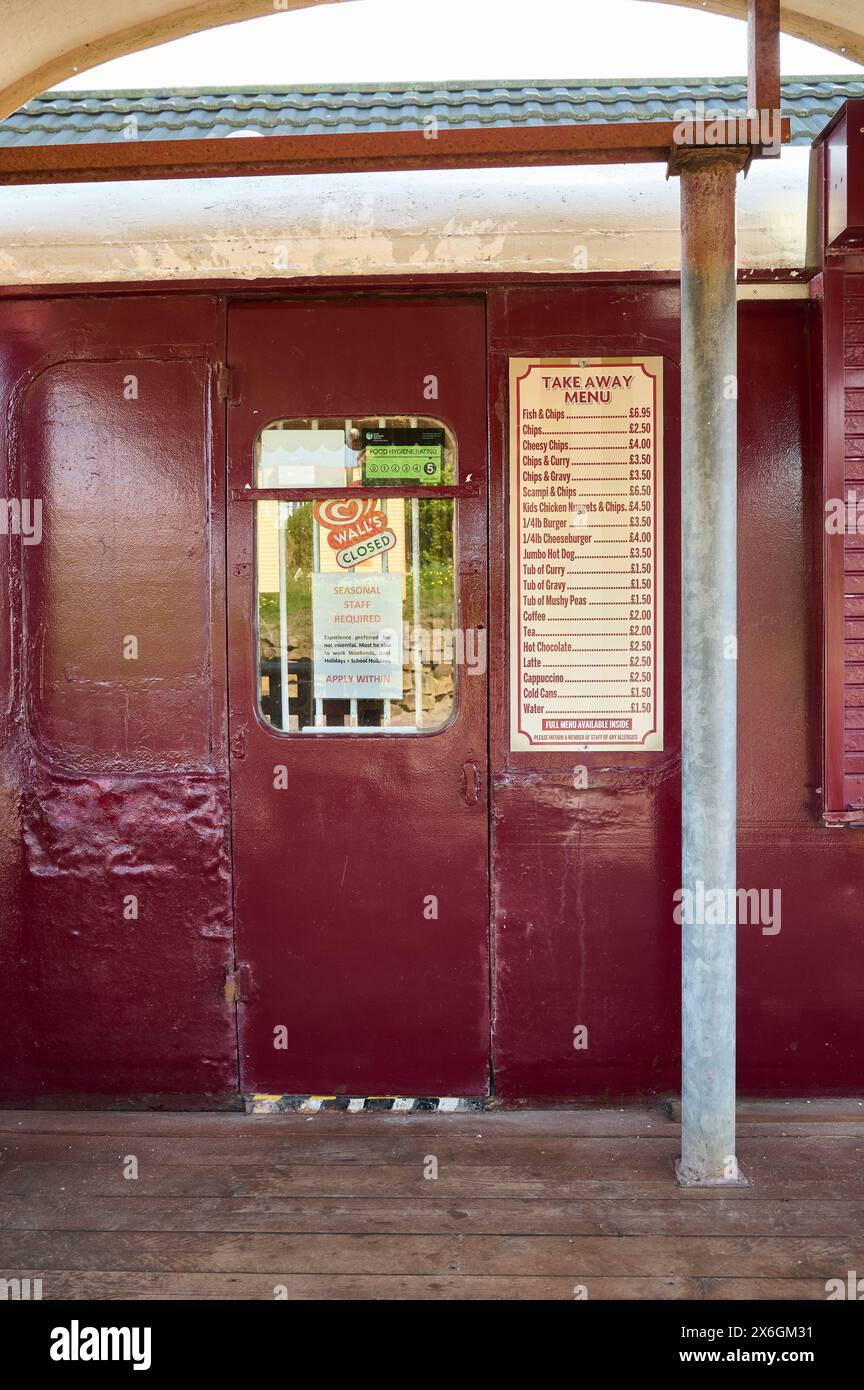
46 41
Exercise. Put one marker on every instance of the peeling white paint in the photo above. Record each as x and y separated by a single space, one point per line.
529 220
783 289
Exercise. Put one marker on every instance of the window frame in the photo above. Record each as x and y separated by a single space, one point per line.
455 491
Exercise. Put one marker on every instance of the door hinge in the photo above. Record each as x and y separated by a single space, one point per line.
226 384
236 984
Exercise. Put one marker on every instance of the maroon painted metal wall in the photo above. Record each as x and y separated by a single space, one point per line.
583 880
113 775
113 780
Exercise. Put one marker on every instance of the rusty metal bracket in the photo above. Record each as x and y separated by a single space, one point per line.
237 984
226 384
682 156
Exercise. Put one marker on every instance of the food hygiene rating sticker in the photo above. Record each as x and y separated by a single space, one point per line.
402 456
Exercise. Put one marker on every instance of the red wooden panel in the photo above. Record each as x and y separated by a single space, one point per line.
10 548
843 469
839 476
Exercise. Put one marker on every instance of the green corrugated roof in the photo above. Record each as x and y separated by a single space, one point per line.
81 117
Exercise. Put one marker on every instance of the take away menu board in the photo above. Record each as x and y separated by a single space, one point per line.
586 553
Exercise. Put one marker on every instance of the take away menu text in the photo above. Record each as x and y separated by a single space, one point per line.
586 553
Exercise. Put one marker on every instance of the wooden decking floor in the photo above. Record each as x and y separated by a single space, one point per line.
526 1205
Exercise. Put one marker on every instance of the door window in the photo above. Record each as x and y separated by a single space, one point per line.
357 609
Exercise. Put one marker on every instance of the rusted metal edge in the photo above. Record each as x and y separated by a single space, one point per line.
763 54
693 156
609 143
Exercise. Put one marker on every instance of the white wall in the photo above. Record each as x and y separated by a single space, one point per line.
536 220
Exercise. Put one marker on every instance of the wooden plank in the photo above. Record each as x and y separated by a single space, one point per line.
602 1122
119 1285
615 142
573 1156
595 1121
568 1256
820 1109
329 1180
543 1153
677 1215
457 1180
316 1147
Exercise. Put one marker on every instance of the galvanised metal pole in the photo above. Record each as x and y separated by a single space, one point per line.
708 675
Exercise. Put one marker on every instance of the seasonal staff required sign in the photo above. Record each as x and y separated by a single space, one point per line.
586 553
357 636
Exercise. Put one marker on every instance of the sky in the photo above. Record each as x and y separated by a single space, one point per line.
440 40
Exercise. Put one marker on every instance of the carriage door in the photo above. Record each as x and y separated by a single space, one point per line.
357 679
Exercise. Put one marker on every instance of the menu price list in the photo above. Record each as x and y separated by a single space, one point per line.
586 557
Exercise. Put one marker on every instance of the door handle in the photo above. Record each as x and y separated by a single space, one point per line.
238 744
470 783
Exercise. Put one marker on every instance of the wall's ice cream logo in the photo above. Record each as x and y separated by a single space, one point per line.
348 519
355 529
